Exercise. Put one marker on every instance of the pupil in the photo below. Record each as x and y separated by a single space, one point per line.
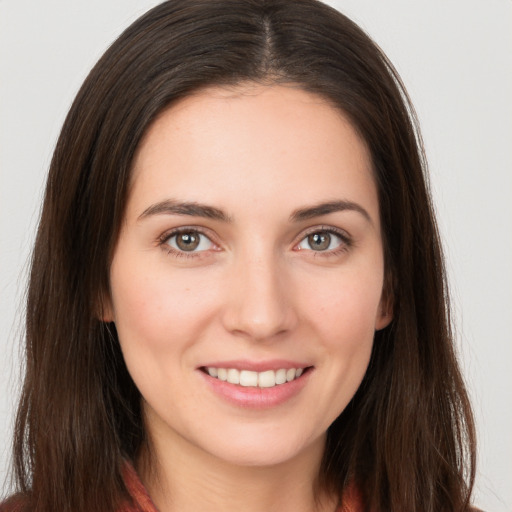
187 241
319 241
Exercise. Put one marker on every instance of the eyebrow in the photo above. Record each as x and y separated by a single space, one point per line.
194 209
172 207
320 209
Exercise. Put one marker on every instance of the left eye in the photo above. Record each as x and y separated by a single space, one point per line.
189 241
321 241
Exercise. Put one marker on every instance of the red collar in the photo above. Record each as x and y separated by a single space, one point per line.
141 501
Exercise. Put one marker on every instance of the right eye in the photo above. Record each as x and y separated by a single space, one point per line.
188 241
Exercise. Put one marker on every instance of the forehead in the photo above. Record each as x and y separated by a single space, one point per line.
252 140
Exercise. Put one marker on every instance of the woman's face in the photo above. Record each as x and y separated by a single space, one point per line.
250 251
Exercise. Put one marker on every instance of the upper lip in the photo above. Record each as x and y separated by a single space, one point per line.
256 366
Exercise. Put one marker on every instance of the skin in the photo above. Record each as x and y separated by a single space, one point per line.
253 290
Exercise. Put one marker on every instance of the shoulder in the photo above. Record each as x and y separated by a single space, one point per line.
16 503
137 499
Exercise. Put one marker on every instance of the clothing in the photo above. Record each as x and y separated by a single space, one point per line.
141 501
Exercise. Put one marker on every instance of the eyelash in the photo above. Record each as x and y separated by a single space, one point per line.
163 242
346 241
345 245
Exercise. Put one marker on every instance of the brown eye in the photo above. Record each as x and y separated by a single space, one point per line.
324 240
187 241
319 241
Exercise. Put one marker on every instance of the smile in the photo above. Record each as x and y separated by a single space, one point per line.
247 378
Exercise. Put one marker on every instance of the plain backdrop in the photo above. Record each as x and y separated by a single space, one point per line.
455 57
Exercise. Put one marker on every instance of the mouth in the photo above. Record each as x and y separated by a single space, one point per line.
248 378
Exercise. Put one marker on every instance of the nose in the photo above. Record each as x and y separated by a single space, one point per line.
259 302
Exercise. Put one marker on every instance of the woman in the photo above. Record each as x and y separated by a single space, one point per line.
237 294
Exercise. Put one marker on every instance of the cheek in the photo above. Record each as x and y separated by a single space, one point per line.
154 309
344 318
342 322
347 311
158 318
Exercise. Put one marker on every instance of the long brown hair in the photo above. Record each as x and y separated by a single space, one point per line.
407 437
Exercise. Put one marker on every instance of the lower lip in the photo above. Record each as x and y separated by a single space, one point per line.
255 397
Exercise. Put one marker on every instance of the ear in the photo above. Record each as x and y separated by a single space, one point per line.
385 311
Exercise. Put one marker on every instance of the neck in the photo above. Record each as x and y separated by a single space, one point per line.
182 477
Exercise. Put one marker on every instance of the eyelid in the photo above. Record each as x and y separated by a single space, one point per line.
347 240
340 233
164 238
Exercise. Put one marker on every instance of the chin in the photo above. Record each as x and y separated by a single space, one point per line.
263 451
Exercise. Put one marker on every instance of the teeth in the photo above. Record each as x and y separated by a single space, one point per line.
246 378
281 376
267 379
233 376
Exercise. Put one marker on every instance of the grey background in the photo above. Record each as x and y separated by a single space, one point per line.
455 57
